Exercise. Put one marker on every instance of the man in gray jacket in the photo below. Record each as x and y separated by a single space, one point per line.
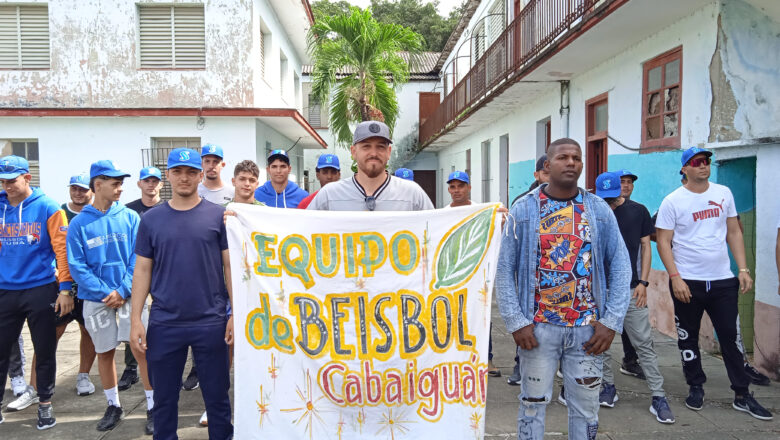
560 252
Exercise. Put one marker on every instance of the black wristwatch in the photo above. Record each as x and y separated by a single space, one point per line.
643 282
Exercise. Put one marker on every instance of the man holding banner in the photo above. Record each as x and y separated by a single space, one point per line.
182 258
563 289
371 148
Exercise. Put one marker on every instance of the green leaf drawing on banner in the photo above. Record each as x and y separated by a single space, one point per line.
462 250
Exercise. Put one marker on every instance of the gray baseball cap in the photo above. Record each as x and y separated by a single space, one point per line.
369 129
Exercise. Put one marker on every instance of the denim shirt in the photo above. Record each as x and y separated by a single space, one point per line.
517 263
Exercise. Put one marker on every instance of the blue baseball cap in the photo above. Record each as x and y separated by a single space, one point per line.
106 168
693 151
184 157
626 173
328 161
278 154
608 185
211 150
150 172
404 173
12 167
459 175
80 180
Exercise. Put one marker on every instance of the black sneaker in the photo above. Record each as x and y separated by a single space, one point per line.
149 428
191 382
748 404
129 377
695 399
46 418
756 378
110 419
632 368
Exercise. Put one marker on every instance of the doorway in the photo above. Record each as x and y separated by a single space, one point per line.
596 129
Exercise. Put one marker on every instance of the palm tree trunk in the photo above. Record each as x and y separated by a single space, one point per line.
364 116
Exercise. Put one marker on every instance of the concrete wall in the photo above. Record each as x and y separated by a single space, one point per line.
94 60
68 146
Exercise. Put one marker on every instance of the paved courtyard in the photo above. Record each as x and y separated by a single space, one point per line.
629 420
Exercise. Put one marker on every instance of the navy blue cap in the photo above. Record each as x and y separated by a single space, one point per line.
540 162
106 168
608 185
278 154
404 173
184 157
626 173
328 161
150 172
12 167
693 151
80 180
211 150
459 175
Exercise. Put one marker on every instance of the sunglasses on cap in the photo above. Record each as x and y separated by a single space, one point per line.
699 161
370 203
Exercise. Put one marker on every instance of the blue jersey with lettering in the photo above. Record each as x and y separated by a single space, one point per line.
188 284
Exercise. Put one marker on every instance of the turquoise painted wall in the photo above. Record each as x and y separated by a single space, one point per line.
659 175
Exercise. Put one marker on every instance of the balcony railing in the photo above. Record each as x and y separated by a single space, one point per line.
539 24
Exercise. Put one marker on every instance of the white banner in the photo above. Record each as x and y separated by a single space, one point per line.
362 325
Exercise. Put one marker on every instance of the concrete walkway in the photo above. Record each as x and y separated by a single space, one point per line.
629 420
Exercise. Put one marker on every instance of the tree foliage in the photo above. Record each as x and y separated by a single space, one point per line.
357 43
414 14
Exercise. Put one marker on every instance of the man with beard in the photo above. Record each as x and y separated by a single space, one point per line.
212 188
372 188
182 259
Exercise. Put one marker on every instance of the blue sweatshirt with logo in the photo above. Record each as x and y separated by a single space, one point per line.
32 239
101 251
290 198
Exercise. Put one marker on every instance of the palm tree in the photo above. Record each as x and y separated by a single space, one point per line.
357 58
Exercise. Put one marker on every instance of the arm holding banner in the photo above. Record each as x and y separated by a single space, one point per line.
229 285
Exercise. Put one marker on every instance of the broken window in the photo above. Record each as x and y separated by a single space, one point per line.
661 100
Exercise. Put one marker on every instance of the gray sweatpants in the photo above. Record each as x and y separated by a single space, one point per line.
16 360
637 326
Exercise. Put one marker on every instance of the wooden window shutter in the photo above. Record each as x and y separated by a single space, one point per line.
172 37
24 37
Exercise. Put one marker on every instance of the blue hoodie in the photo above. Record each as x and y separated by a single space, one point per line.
32 238
290 198
101 251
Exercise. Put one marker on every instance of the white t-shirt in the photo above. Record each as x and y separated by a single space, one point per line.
217 196
699 224
395 194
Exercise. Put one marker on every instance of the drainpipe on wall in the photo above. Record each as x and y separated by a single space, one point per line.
564 109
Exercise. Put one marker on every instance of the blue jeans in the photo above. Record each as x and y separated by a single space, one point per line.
581 377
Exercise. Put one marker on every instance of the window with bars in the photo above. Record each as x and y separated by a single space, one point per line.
661 100
24 37
26 148
479 42
172 37
157 156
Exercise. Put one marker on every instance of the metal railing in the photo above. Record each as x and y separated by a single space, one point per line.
539 24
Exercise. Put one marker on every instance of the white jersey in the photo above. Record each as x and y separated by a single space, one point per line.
395 194
699 224
217 196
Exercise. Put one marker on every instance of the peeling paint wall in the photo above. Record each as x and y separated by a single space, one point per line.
748 42
94 50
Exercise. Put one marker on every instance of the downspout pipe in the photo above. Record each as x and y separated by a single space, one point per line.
564 111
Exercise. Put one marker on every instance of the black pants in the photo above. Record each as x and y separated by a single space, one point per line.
36 305
719 299
629 353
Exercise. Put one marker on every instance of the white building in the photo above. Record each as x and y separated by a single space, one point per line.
129 80
423 84
633 82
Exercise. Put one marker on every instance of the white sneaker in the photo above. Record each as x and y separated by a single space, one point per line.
19 385
28 397
204 421
84 386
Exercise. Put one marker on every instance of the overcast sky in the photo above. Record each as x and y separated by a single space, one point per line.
445 6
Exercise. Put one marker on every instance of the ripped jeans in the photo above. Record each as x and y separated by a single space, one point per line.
581 378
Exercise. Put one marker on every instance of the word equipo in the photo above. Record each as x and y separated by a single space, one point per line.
354 254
